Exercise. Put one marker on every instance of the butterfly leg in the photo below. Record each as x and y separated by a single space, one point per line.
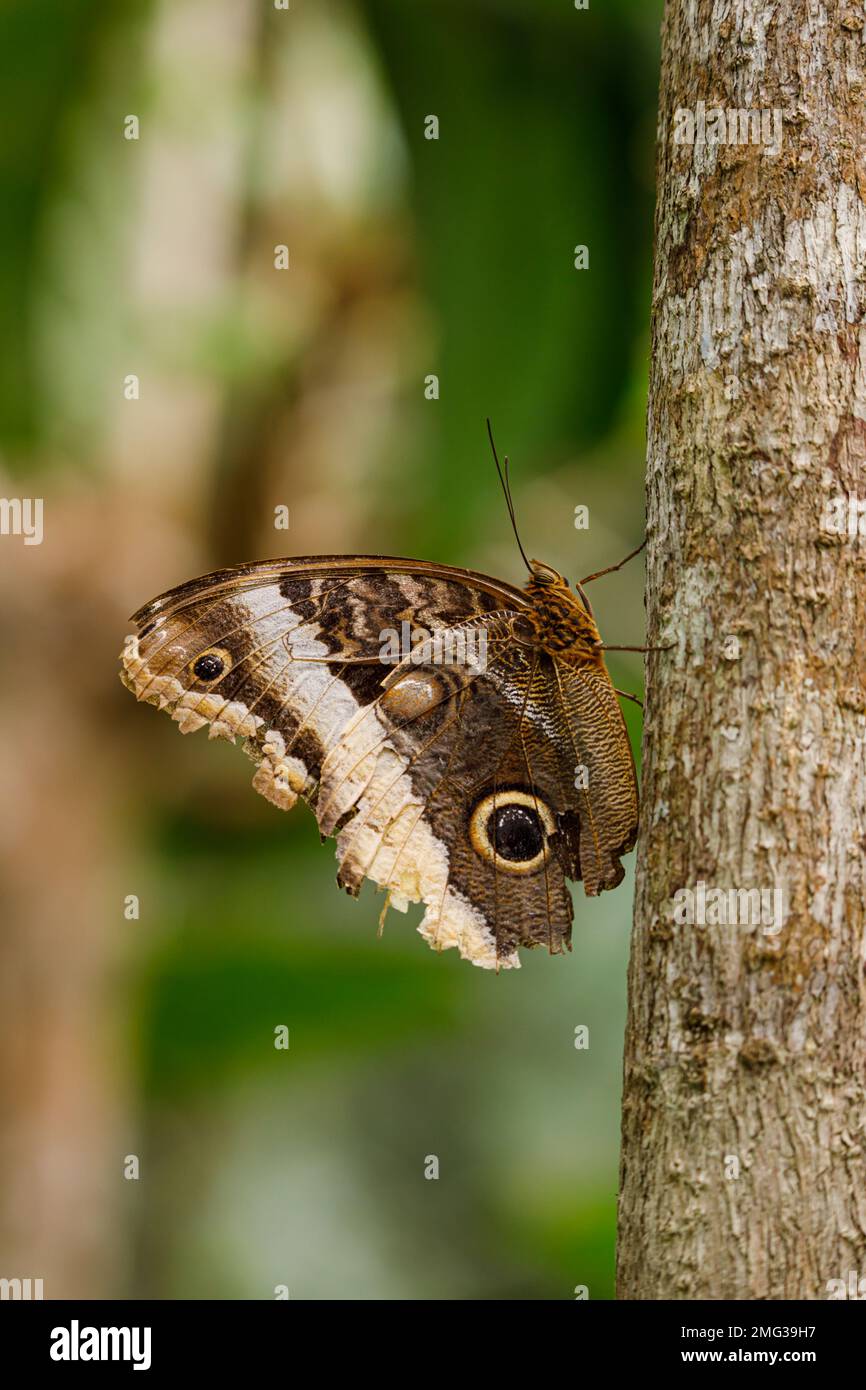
611 569
608 647
626 695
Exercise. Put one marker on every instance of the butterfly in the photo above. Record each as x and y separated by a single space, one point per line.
461 738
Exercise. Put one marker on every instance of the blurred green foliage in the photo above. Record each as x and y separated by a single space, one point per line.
538 108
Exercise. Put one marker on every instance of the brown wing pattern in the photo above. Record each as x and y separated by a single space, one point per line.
403 762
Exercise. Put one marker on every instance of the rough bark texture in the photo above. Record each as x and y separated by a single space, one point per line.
742 1045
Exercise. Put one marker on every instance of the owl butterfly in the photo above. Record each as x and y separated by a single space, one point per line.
460 738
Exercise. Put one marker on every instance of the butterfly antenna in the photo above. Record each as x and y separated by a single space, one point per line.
506 488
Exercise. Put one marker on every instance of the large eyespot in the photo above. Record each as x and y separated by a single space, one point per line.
511 829
212 664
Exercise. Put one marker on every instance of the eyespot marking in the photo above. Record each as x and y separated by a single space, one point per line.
511 829
209 666
413 695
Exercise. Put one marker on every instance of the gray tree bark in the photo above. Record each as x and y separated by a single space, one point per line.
744 1120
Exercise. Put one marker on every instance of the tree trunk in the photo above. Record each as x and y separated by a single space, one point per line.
744 1120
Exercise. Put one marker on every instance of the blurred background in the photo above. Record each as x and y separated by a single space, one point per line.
310 388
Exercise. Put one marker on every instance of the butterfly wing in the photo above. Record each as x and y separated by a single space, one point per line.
405 758
586 727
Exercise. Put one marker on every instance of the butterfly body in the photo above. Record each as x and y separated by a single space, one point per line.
563 623
475 771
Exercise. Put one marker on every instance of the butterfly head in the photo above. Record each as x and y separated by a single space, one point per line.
545 581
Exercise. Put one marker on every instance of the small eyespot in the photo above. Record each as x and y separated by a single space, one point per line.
413 695
511 829
211 664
